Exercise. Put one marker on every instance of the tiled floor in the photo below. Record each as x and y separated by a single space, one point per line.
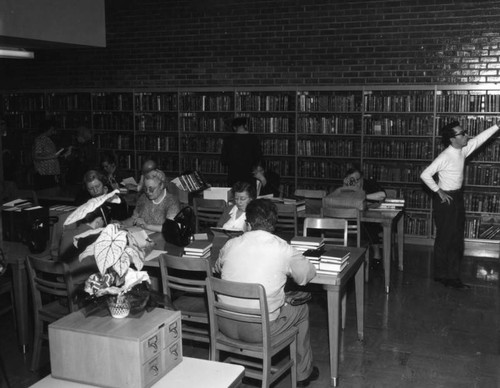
420 335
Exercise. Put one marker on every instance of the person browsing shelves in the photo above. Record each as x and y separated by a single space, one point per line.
234 216
448 200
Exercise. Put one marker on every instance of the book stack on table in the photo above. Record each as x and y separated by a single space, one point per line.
333 260
198 248
390 204
304 243
311 247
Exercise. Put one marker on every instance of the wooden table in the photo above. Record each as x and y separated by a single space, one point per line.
190 373
387 219
335 288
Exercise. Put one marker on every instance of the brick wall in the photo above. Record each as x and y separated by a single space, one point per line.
171 43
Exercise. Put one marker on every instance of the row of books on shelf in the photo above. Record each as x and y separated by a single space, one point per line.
462 101
112 101
159 122
192 123
421 102
331 125
196 102
482 174
396 126
401 172
112 122
194 143
156 101
309 102
337 147
157 143
251 102
416 149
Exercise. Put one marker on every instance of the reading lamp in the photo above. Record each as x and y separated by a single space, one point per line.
16 53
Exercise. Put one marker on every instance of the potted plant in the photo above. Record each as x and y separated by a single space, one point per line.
119 254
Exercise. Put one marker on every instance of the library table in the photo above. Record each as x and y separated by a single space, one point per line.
334 285
387 218
190 373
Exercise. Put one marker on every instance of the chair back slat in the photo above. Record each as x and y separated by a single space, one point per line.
352 215
287 217
338 227
208 211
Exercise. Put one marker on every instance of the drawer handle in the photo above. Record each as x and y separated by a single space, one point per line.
174 351
154 370
153 343
173 329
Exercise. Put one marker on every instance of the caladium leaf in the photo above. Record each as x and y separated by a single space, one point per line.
122 265
134 257
109 247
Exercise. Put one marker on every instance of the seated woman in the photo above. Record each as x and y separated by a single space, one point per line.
96 184
234 215
156 205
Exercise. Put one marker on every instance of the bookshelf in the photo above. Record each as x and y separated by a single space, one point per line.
309 135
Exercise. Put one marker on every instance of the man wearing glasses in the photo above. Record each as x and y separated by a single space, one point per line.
448 201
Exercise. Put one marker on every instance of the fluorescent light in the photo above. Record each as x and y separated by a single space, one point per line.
16 53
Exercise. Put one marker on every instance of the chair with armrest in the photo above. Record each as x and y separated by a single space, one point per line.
257 357
207 211
51 297
183 280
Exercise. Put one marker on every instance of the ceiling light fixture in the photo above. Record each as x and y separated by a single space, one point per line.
16 53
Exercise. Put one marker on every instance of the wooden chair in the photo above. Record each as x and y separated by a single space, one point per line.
208 211
339 227
242 352
313 200
287 218
183 280
51 297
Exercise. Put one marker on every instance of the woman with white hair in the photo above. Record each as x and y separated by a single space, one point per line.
155 205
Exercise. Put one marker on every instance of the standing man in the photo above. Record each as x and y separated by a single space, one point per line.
448 201
259 256
240 152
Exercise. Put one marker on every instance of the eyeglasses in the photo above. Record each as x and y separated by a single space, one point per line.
461 133
150 189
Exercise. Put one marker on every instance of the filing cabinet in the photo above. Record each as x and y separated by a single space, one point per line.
110 352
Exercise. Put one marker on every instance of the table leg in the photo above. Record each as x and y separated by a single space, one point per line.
20 284
360 300
334 330
401 242
387 255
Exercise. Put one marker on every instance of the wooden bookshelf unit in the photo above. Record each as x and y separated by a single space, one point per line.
309 135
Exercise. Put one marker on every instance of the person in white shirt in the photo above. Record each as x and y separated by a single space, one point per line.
234 217
259 256
448 201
